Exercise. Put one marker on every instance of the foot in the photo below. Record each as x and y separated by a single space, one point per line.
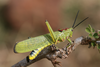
53 47
54 62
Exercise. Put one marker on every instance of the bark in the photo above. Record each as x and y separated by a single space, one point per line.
52 55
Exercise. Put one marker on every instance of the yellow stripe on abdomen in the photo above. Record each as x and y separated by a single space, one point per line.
34 53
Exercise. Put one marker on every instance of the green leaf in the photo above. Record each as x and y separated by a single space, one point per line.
93 30
90 35
89 26
95 35
98 31
98 46
93 44
88 30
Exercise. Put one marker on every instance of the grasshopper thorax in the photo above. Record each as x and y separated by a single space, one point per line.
66 33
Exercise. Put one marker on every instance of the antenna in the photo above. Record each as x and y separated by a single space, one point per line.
80 22
75 19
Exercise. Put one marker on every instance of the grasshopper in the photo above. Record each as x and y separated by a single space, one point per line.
37 44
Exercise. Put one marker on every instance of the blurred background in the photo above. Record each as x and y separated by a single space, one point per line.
20 19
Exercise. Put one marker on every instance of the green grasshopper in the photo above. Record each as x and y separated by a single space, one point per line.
37 44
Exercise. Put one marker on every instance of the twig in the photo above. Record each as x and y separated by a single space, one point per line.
53 55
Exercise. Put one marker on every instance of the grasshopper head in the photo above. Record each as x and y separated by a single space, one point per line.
73 26
69 32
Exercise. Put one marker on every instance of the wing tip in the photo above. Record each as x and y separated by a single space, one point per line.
15 47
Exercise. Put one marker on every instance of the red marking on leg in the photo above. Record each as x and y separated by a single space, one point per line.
58 41
63 40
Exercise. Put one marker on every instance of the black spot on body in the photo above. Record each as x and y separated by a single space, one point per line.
14 48
27 59
29 37
32 52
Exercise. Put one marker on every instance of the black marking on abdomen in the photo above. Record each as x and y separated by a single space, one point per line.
15 46
32 52
29 37
27 59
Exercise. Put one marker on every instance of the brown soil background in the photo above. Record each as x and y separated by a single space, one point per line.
20 19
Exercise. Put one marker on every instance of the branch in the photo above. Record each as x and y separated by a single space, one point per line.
52 55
